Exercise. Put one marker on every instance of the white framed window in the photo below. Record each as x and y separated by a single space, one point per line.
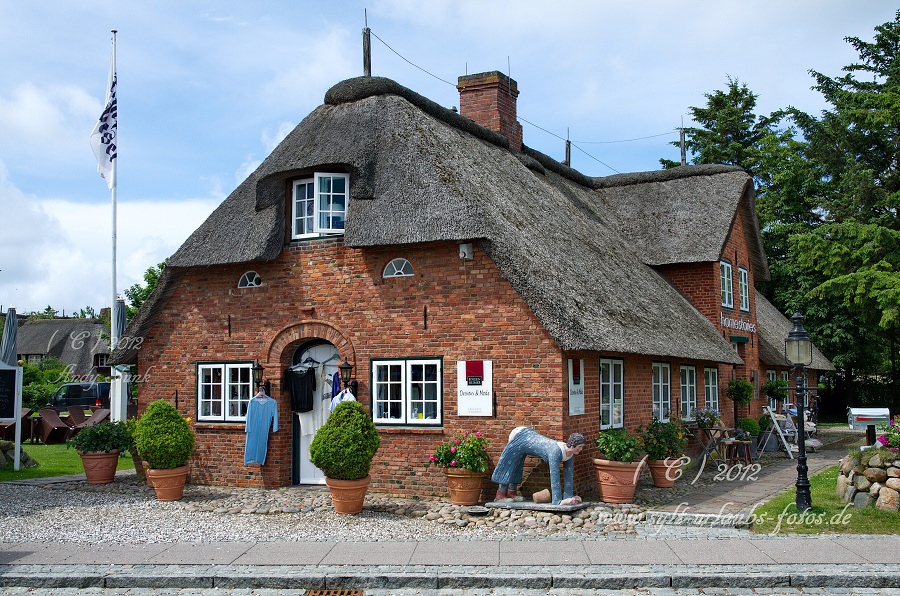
398 268
251 279
662 391
711 388
771 375
688 391
612 393
223 391
786 376
35 359
407 392
744 288
727 290
319 205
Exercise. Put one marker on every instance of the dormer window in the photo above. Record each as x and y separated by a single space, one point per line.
251 279
398 268
319 205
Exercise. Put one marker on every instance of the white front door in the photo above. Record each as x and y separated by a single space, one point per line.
323 359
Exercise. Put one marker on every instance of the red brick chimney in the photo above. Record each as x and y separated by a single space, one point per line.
489 98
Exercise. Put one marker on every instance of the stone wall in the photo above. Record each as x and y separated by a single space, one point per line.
871 479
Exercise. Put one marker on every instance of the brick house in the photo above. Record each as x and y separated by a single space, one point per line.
425 247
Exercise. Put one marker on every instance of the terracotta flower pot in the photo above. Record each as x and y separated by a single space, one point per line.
348 496
168 484
99 466
664 471
465 485
617 480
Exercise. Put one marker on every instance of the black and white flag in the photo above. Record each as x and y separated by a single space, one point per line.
103 137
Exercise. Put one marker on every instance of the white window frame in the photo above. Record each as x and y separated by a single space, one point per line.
250 279
398 267
744 288
612 393
725 278
233 395
407 402
688 390
771 375
662 391
324 201
711 388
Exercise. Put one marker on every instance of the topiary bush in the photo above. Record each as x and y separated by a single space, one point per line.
104 436
163 437
344 446
740 391
750 425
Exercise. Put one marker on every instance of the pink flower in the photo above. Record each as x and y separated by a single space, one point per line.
453 450
456 441
477 433
433 458
453 463
884 440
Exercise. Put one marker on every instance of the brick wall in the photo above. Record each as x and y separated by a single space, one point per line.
489 98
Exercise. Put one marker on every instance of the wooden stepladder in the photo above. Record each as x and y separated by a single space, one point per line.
775 427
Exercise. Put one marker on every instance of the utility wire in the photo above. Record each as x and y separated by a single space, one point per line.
410 63
662 134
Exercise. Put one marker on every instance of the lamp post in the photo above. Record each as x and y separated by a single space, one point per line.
346 370
798 351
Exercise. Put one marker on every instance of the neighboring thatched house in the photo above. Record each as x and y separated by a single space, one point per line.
473 283
81 344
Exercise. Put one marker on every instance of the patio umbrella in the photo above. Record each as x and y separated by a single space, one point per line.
120 321
8 344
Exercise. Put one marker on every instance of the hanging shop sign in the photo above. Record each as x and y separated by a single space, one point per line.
475 393
576 387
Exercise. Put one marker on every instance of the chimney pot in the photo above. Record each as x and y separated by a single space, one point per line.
489 98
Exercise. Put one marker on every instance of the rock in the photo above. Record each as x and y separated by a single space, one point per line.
888 500
875 474
873 490
893 472
849 494
893 483
861 483
875 461
862 500
842 484
848 464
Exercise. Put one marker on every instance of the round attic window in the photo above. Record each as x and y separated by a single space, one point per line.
398 268
251 279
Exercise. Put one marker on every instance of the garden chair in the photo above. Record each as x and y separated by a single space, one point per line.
76 415
98 416
8 428
51 429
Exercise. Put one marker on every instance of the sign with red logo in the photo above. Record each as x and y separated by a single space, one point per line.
475 394
576 387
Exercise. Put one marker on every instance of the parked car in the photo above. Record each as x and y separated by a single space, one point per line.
80 394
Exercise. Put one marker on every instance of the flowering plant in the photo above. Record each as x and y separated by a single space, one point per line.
466 450
890 436
618 444
664 440
705 418
741 435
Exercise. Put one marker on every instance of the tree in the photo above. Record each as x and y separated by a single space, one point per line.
729 129
47 313
137 293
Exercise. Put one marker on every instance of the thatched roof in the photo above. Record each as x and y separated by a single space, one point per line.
685 219
74 341
773 328
422 173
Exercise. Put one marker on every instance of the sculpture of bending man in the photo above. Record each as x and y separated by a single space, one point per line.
524 441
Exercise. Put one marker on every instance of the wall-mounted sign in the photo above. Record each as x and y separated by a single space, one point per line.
739 324
8 393
475 393
576 387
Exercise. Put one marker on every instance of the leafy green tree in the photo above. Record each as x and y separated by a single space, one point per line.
137 293
41 380
47 313
87 312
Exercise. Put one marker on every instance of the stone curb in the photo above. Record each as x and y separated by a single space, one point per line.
619 578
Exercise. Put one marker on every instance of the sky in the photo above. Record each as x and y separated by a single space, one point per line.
206 90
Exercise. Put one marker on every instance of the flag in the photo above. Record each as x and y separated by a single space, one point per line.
103 137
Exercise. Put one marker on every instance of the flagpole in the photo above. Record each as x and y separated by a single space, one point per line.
114 333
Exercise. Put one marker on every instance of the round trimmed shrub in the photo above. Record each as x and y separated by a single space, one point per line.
750 425
163 437
344 446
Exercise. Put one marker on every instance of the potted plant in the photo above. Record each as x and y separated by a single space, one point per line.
664 443
165 441
343 449
617 471
705 417
464 459
740 391
751 427
99 446
776 392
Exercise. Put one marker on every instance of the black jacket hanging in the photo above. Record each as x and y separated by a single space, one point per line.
302 385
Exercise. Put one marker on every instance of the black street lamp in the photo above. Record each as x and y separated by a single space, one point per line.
257 371
346 370
798 351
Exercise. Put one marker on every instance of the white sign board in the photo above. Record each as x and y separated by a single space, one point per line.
475 393
576 387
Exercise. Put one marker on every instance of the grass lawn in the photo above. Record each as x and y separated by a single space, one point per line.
829 515
54 460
